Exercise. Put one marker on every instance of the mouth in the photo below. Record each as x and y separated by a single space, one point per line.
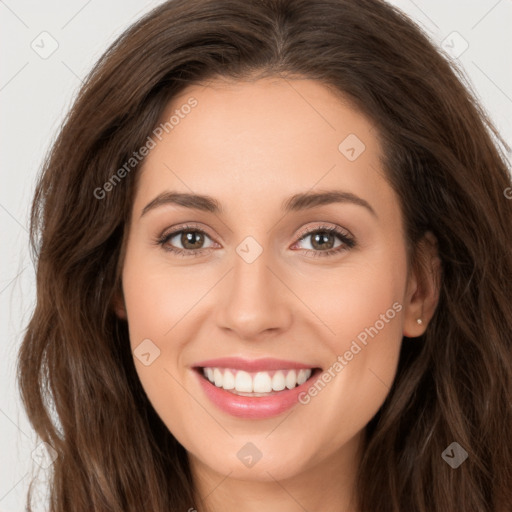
256 384
255 394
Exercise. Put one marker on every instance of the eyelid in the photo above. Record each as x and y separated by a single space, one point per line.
189 226
176 230
329 227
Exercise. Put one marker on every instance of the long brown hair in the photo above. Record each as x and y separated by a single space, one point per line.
444 159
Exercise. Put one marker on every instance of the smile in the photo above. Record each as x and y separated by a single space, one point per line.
253 384
262 389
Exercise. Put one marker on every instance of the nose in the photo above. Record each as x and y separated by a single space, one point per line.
254 300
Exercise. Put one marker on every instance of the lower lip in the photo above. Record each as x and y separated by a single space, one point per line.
254 407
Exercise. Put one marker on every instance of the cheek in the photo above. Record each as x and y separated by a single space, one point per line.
359 298
158 304
158 297
361 304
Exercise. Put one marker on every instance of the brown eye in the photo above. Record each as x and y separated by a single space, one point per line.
191 240
323 241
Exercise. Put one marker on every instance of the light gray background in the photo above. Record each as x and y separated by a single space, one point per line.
36 92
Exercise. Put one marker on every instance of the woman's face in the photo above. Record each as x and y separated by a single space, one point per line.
262 281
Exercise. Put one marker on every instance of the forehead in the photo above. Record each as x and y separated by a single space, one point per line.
257 141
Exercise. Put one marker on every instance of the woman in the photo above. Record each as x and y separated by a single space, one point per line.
190 350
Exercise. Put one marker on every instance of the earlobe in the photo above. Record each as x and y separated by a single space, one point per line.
423 287
118 304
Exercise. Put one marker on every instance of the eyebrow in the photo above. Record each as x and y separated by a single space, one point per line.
297 202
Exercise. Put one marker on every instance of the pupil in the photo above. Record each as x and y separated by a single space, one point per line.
322 240
193 238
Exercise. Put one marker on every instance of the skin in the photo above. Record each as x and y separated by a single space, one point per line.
251 145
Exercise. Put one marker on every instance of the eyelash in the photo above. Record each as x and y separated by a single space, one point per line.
348 242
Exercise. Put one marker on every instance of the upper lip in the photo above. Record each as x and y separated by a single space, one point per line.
252 365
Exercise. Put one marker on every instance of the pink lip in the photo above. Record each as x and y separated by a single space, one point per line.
254 365
253 407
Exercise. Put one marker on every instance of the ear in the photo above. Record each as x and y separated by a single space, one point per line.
423 285
118 304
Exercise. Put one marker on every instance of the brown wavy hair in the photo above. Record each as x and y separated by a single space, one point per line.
444 159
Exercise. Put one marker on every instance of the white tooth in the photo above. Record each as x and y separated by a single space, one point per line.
262 383
303 376
209 374
229 380
217 375
291 379
243 382
278 382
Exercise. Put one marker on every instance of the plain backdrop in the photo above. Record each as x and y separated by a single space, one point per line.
36 90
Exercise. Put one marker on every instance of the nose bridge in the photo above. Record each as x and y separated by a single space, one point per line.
254 300
251 270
